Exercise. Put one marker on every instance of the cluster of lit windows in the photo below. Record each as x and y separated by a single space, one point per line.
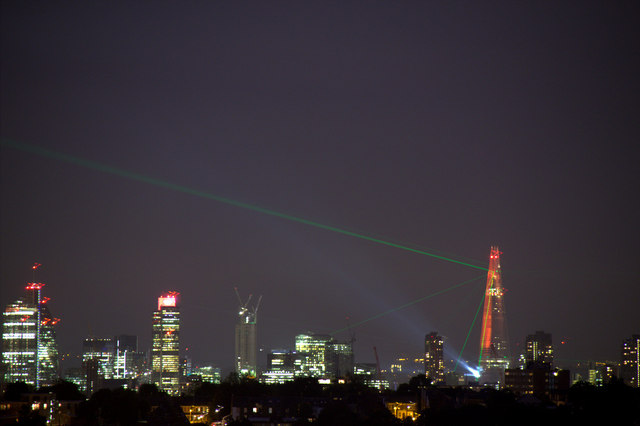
312 350
208 373
165 360
29 359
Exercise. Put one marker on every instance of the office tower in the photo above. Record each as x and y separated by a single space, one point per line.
29 348
102 350
539 350
280 367
319 355
342 361
208 373
630 365
246 361
127 359
97 363
165 350
494 351
314 356
434 357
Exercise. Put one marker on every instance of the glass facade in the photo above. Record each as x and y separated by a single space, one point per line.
494 349
434 357
319 355
165 351
29 348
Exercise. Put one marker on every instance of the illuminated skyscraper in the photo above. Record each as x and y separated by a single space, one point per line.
434 357
97 363
494 350
314 355
29 348
630 365
127 359
247 338
539 350
165 351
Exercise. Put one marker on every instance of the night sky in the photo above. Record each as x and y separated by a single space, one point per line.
444 126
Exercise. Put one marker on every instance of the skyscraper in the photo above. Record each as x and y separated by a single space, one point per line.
29 347
165 350
247 338
320 355
539 350
434 357
630 365
97 363
314 355
494 350
127 358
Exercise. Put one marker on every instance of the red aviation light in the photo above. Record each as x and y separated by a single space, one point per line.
34 286
36 266
168 299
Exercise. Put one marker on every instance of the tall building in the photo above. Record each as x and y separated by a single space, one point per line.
320 355
165 349
127 361
29 348
280 367
494 350
97 363
246 361
342 361
630 365
539 350
434 357
314 355
109 359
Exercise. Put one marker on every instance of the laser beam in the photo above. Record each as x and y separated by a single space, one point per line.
406 305
202 194
464 345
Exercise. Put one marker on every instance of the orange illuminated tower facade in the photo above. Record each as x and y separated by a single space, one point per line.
165 351
494 350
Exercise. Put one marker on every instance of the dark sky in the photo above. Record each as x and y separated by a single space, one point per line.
447 126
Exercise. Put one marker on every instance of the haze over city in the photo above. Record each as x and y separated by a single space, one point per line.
445 127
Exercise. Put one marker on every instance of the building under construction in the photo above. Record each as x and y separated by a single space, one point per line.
246 360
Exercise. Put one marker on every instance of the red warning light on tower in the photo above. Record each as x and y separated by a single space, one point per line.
34 286
36 266
168 299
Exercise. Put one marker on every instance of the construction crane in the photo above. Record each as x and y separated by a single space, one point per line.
245 313
379 374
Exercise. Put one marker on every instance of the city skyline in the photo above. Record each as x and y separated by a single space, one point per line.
445 128
166 344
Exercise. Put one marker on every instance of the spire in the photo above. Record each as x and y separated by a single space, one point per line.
494 350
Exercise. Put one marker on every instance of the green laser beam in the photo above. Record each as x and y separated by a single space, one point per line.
172 186
406 305
470 329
